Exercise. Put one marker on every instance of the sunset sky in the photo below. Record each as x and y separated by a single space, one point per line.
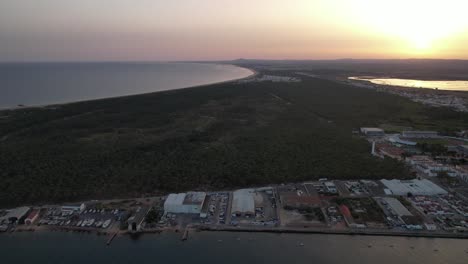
57 30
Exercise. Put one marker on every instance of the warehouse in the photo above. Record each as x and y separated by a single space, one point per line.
73 208
396 207
185 203
414 187
372 131
243 202
15 215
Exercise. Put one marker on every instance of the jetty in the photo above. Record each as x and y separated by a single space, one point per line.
109 241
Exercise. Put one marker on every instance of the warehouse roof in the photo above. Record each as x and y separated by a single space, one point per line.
194 198
175 198
243 201
16 213
371 129
397 207
416 187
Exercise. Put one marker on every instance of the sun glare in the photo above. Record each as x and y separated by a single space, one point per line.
419 23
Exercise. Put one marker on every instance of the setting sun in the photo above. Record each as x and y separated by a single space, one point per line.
418 23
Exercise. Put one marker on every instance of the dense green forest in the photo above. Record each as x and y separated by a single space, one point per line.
218 136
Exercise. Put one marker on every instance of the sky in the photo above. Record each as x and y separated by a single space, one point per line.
156 30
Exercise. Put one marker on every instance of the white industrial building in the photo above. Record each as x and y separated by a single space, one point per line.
243 202
73 208
185 203
415 187
15 215
396 207
372 131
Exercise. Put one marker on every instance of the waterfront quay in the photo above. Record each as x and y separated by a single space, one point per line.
360 207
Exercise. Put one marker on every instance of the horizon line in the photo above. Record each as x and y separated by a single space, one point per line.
223 60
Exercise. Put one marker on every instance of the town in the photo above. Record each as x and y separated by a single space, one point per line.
433 203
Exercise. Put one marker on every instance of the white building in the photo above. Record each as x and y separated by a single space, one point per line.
73 208
243 202
15 215
396 207
372 131
185 203
415 187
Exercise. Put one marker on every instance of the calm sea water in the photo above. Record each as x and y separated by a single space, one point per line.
441 85
211 247
50 83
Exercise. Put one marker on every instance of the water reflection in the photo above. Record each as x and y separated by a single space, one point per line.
441 85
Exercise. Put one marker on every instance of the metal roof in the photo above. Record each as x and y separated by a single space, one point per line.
194 198
175 199
243 201
416 187
397 207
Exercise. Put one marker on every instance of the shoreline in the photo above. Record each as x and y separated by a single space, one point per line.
252 74
323 231
228 229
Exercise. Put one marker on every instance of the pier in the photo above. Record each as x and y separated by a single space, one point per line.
109 241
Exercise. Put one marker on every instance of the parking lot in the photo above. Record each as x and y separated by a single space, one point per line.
217 208
89 218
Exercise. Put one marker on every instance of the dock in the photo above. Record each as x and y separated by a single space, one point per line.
186 233
109 241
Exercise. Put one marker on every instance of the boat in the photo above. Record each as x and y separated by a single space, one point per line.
90 222
79 223
99 224
106 223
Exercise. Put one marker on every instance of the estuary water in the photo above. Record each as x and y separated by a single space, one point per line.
441 85
32 84
226 248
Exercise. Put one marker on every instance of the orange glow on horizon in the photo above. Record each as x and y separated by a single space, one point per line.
216 29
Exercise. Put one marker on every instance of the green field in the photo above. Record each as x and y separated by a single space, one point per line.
212 137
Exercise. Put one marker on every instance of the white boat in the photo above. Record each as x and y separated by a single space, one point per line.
79 223
90 222
106 223
99 224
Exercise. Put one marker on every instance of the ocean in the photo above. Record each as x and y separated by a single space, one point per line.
226 248
34 84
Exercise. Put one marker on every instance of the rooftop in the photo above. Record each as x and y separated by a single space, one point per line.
194 198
